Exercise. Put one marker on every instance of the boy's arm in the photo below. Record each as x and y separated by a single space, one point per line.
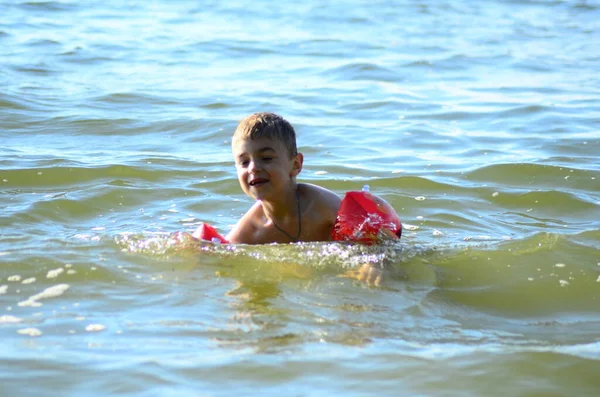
242 233
245 230
236 235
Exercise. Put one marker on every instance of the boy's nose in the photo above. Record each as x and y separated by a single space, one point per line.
254 166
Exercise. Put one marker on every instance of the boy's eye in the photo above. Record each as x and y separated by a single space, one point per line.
244 163
267 158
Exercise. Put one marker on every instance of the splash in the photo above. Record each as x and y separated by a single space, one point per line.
313 255
154 243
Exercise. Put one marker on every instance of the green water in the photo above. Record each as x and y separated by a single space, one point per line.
479 123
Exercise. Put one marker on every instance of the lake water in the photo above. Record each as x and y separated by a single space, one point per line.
478 121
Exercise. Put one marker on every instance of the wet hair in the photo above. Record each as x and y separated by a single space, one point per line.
267 125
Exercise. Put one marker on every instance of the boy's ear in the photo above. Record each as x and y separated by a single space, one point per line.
297 165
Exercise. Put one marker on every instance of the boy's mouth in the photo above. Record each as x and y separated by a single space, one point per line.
258 181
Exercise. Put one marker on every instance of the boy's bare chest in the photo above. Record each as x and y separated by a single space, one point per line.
312 228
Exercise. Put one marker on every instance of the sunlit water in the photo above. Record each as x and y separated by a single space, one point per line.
479 122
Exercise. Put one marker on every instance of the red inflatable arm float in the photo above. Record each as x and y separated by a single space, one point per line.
362 218
207 232
366 218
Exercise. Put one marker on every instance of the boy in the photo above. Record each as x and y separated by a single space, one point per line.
267 163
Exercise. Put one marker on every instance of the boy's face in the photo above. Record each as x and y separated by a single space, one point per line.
264 167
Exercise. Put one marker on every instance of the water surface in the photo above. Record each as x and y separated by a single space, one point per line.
478 122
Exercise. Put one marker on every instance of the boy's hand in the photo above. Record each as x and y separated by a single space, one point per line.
370 274
182 240
367 273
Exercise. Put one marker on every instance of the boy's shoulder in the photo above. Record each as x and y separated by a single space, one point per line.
320 197
247 227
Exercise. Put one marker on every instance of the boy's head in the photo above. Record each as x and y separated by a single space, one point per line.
267 125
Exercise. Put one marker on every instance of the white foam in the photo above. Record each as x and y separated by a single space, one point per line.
30 332
29 303
3 289
29 280
51 292
6 319
420 198
95 327
409 227
480 238
14 278
55 272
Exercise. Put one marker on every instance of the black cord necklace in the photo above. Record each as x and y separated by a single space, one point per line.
294 239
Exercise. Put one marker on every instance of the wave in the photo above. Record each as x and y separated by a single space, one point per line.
48 5
526 175
362 71
535 276
60 173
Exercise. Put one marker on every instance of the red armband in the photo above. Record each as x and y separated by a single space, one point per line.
209 233
365 218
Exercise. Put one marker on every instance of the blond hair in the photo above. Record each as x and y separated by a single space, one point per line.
267 125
